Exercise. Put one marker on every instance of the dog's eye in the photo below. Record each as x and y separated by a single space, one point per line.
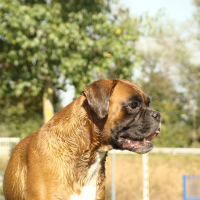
133 105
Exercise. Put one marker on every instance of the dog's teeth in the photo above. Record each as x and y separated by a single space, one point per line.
144 140
129 141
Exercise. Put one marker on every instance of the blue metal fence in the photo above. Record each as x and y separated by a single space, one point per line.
191 187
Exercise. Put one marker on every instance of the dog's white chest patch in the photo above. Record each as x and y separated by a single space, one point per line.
88 192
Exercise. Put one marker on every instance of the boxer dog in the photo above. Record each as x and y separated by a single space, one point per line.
65 158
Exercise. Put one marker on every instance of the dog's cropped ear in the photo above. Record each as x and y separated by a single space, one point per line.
98 96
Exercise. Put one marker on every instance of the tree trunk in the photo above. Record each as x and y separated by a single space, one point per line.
48 109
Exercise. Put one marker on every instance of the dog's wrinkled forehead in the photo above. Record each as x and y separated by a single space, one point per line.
128 91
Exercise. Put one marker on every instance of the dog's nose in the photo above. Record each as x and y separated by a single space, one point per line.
156 115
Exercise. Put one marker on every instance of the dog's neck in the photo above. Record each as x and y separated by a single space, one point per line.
84 151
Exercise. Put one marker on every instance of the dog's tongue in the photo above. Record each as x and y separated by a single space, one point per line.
149 138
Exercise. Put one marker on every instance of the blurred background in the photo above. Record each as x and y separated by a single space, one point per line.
51 49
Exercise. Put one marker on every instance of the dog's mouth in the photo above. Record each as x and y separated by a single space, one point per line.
141 145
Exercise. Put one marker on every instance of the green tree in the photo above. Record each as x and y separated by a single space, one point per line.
189 70
191 81
42 45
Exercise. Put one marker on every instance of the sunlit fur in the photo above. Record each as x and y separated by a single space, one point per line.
63 150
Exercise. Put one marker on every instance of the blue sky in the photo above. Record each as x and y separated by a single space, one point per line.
177 10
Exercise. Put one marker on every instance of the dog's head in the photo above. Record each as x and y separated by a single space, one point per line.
130 124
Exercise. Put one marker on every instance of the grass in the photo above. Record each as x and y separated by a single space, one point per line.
165 175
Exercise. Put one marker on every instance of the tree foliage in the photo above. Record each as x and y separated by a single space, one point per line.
76 40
